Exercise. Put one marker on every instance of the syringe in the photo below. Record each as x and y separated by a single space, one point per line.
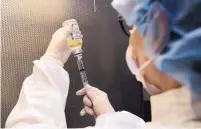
76 45
78 54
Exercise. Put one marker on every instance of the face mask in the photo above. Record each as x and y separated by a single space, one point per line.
139 72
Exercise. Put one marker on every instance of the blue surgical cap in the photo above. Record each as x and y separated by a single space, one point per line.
157 21
182 61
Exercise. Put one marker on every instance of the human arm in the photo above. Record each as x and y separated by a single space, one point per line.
43 95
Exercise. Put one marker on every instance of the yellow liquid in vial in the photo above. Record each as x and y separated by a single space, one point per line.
73 44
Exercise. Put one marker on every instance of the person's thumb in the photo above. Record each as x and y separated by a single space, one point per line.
88 87
68 29
67 22
90 91
68 26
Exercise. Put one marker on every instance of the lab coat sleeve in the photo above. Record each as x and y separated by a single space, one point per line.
119 120
42 99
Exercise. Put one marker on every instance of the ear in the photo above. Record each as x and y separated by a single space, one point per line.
137 42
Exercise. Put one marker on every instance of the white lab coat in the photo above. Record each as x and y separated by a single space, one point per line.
43 96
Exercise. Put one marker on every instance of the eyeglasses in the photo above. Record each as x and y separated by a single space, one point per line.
173 35
121 23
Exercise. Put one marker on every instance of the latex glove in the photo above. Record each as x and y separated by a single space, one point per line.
96 102
58 49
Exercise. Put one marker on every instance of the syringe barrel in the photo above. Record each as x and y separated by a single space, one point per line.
81 69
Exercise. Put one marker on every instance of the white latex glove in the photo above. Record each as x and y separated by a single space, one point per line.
58 49
96 101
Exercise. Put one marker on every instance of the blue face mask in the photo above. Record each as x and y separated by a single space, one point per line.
172 35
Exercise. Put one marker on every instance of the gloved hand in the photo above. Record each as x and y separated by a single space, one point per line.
58 50
96 102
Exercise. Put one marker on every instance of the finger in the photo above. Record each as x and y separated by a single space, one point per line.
67 30
64 31
82 112
71 24
87 101
71 21
92 90
88 86
92 95
81 92
88 110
